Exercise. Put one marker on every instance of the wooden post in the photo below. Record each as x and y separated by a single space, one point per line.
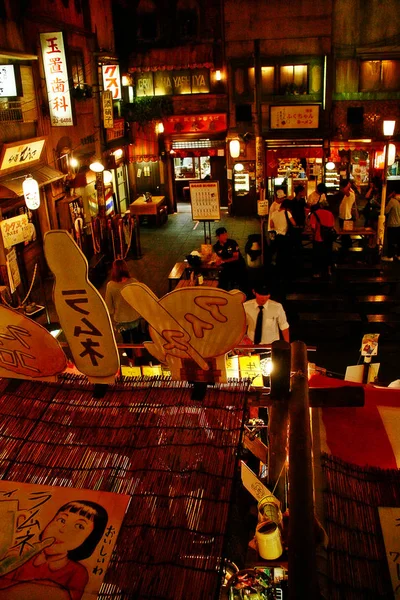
302 553
278 418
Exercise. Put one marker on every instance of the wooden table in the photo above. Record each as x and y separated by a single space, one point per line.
157 208
363 231
184 283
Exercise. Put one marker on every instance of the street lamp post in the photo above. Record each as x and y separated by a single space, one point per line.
388 130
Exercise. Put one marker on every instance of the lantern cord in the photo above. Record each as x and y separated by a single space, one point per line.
27 295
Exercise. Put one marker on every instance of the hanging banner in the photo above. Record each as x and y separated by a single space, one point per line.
15 230
55 69
56 542
81 310
112 80
107 104
13 273
204 199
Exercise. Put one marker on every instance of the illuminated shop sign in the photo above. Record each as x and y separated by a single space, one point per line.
173 83
108 115
8 84
55 69
112 80
305 116
21 154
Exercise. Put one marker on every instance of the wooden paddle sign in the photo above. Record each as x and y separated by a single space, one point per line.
81 310
28 350
192 328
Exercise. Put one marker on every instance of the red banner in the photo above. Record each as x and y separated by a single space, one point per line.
207 124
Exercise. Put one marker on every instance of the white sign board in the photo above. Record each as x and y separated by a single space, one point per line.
14 277
15 230
55 69
390 524
21 154
8 86
112 80
204 198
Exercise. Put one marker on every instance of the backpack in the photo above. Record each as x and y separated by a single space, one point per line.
328 234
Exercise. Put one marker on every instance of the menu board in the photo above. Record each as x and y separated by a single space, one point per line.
204 196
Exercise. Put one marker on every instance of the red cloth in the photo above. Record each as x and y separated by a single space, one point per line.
73 577
358 435
327 219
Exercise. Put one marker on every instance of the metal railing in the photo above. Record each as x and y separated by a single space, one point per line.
11 111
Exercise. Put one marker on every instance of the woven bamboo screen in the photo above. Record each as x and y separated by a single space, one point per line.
357 567
174 456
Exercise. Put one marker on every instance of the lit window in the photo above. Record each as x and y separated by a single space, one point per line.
77 68
379 75
293 79
267 80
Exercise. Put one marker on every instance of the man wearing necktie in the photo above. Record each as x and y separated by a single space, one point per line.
265 318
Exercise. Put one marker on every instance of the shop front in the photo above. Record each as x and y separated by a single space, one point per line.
22 260
196 145
291 163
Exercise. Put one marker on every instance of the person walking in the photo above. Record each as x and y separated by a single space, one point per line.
282 221
322 223
126 319
233 267
393 228
266 319
318 196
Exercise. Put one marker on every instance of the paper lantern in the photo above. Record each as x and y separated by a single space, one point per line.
107 177
388 127
234 148
96 167
391 154
31 191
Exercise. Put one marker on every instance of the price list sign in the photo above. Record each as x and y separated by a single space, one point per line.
204 198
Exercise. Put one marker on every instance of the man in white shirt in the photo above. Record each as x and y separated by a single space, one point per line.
347 203
280 196
393 227
266 328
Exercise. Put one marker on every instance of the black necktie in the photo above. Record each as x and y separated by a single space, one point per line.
258 329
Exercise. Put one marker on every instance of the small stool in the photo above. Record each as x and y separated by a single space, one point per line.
186 194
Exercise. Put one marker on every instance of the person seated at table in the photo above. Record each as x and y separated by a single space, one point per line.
233 273
322 244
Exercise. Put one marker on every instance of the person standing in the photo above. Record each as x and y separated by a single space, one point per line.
322 261
233 267
281 221
347 211
266 320
393 228
126 319
318 196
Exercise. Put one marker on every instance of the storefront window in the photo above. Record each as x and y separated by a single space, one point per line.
379 75
189 167
267 80
293 79
77 69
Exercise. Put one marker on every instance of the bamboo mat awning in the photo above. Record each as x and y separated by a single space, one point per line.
174 456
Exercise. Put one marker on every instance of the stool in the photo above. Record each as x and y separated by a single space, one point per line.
186 194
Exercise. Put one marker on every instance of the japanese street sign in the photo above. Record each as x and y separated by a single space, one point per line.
55 68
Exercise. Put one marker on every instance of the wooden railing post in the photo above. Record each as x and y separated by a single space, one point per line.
278 418
302 551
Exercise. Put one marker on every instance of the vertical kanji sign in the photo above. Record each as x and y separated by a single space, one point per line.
112 80
58 87
107 103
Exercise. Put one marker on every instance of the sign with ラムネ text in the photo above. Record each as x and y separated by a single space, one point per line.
294 116
56 73
112 80
15 230
56 542
81 310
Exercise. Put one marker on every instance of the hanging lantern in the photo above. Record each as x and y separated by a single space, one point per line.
391 154
107 177
234 148
31 191
96 166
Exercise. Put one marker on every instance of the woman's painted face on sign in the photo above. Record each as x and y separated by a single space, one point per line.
69 531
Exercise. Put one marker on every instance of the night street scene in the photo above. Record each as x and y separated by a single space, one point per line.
199 300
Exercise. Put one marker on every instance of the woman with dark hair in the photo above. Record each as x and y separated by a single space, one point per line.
75 531
126 318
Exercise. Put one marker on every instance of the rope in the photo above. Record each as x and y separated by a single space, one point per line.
27 295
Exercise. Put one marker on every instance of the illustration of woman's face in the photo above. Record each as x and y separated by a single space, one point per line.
69 529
